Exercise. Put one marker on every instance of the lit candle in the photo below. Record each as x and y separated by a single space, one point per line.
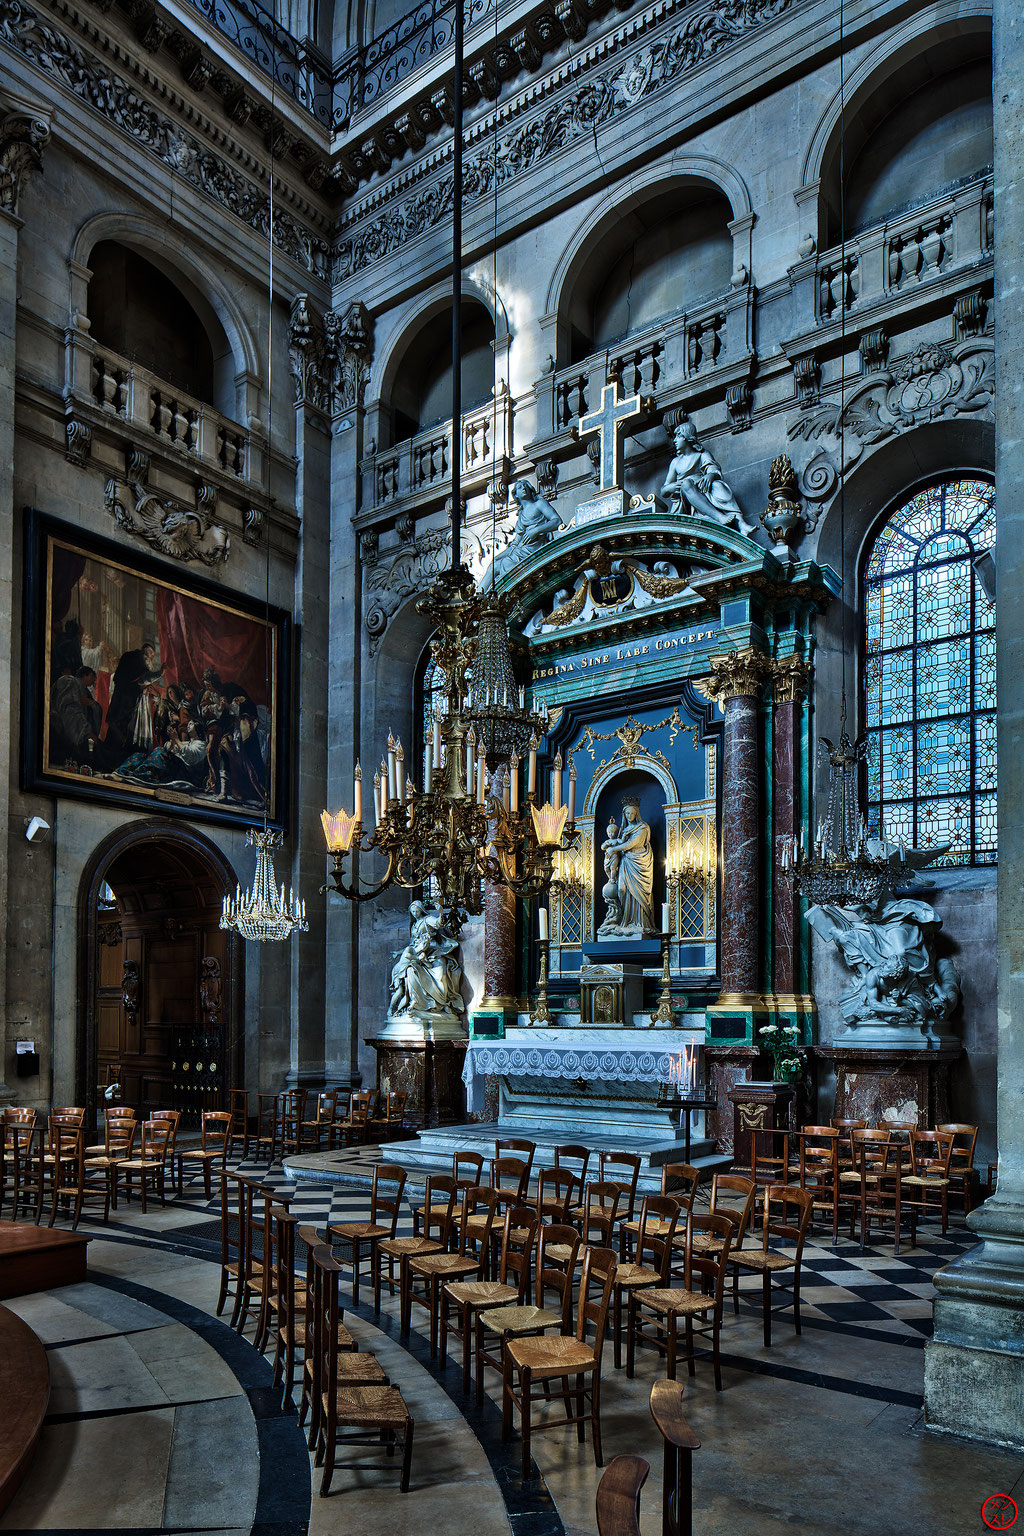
481 764
470 756
506 788
556 782
437 744
383 788
572 790
531 773
399 771
392 770
665 918
358 800
376 799
542 923
513 777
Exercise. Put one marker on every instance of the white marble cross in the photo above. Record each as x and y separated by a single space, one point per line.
606 422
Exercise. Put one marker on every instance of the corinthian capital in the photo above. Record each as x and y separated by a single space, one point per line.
791 677
736 674
22 139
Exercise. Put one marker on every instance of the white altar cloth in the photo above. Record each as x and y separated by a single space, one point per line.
598 1055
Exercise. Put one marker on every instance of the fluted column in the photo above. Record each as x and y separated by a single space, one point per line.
789 682
23 136
736 685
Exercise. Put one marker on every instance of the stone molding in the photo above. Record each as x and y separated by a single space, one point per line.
24 31
710 30
23 136
736 675
329 354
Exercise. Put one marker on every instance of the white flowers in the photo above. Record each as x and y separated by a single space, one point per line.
768 1029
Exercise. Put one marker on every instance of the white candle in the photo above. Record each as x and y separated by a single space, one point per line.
556 782
383 789
392 770
572 790
481 764
376 799
428 773
542 922
506 789
513 775
437 744
531 774
358 802
399 771
665 919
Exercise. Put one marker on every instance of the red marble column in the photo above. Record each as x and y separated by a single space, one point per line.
784 904
736 684
499 946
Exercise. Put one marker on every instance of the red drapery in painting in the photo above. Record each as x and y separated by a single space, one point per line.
195 635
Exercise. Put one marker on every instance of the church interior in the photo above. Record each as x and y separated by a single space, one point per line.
511 982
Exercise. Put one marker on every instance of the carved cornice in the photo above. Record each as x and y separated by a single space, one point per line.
709 30
23 137
91 80
737 674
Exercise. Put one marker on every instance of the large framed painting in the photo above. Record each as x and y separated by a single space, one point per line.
148 689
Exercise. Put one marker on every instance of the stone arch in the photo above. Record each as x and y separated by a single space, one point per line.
132 837
948 22
433 302
684 171
212 298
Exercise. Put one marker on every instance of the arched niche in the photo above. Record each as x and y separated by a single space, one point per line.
416 381
237 362
914 121
169 882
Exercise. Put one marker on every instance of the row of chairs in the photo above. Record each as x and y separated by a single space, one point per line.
295 1122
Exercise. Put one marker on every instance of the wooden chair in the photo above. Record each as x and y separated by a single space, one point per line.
467 1171
555 1190
215 1133
119 1131
571 1152
389 1125
286 1301
680 1444
305 1320
623 1169
438 1213
250 1276
72 1184
961 1167
268 1127
238 1109
233 1194
557 1249
510 1179
706 1243
654 1233
698 1302
25 1147
467 1298
262 1240
516 1146
352 1405
325 1113
770 1263
293 1114
385 1201
599 1213
434 1269
869 1186
931 1154
819 1170
534 1366
352 1129
151 1162
618 1496
116 1120
685 1178
770 1154
846 1129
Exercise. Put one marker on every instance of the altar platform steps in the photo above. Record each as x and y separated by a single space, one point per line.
431 1152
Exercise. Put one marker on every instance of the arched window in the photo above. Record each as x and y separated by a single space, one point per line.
929 673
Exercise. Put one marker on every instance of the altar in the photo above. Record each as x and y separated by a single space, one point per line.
582 1081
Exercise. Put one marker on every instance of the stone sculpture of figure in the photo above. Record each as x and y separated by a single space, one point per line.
426 977
695 482
632 857
899 990
536 523
610 892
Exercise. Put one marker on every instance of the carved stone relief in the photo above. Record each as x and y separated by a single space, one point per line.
182 532
329 354
210 988
411 567
932 383
22 140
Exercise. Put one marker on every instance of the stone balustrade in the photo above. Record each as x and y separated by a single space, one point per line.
421 465
100 378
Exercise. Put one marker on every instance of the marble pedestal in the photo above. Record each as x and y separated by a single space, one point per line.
893 1084
727 1066
429 1071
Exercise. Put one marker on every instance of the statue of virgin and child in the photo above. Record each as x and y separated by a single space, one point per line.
629 867
426 978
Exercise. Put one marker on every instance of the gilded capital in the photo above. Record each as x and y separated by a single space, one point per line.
22 139
736 674
791 676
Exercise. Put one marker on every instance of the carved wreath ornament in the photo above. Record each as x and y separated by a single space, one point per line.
174 529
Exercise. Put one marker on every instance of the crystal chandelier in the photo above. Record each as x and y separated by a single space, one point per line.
264 912
845 867
496 701
465 826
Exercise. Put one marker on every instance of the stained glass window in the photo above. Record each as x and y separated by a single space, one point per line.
930 674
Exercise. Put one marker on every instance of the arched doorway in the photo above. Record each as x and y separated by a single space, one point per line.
160 985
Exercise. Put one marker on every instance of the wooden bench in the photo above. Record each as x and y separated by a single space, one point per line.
25 1394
